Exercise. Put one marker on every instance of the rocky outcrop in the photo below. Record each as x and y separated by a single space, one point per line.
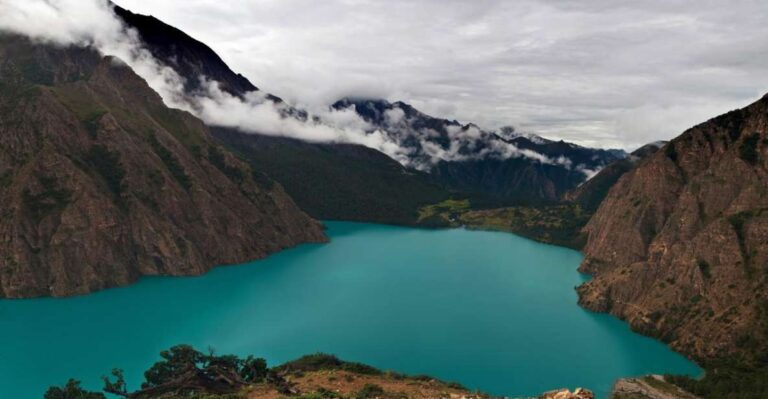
101 183
564 393
649 387
679 246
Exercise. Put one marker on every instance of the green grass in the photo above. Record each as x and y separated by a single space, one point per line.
80 101
559 224
444 209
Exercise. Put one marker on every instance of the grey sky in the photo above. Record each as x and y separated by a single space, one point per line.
597 72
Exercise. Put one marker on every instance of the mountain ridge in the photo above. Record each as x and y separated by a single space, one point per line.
678 249
102 183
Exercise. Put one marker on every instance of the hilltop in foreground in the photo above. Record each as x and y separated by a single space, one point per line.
186 373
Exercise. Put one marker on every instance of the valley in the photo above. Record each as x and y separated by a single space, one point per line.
122 172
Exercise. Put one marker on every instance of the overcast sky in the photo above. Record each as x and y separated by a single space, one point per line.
597 72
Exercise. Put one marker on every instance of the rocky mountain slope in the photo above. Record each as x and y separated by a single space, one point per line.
101 183
678 247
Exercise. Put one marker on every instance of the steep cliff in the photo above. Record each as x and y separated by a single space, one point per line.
679 246
101 183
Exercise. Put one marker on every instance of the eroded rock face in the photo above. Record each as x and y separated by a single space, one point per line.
680 245
101 183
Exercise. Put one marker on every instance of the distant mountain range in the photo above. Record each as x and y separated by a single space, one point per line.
503 166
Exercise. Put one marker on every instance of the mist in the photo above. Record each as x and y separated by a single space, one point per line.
92 23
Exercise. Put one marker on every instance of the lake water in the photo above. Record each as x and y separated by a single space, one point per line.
493 311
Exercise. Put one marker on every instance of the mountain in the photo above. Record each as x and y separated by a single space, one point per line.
591 193
502 166
508 166
189 57
678 247
101 183
337 181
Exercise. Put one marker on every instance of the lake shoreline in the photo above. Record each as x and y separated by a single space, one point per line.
518 275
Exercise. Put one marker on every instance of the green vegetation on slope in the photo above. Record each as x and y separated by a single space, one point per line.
107 164
443 213
558 224
727 381
337 181
171 163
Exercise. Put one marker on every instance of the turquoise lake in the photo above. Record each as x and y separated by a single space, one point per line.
492 311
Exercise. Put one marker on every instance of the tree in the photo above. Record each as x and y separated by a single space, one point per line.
72 390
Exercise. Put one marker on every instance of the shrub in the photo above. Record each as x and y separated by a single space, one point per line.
726 380
107 164
704 268
171 163
71 390
369 391
671 152
216 157
50 199
91 123
322 361
748 150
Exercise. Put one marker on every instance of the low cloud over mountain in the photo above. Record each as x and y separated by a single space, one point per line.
94 23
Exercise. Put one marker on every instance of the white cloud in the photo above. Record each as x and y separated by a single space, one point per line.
91 22
598 72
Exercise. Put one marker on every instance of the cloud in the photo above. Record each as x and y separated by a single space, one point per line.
92 23
599 72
